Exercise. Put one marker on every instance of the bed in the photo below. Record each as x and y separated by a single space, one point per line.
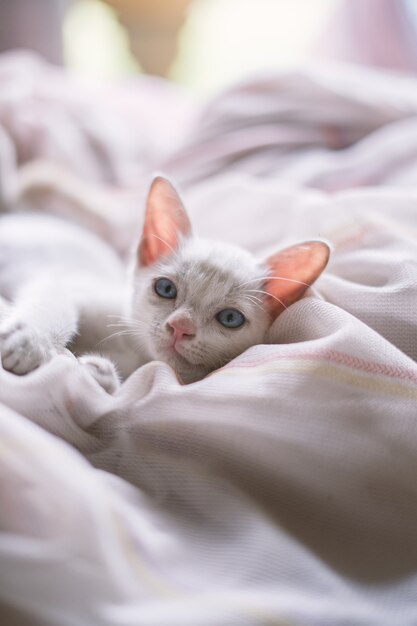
282 488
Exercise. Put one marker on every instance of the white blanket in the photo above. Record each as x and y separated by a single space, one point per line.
280 490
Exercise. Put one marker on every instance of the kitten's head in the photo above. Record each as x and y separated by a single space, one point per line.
199 303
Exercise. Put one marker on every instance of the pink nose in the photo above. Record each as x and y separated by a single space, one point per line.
182 327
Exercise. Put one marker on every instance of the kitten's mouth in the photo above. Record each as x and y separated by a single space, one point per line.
188 370
172 351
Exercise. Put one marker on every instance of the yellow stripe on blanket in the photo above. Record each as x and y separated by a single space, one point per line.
379 383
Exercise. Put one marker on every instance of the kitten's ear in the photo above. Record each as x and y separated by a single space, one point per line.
165 221
292 271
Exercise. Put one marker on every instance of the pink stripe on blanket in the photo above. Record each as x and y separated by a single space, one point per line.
340 358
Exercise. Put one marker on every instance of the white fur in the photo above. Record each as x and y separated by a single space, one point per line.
63 286
56 281
209 277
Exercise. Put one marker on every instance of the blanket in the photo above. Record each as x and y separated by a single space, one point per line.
281 488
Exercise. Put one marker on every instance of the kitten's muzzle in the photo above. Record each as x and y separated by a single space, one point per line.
181 326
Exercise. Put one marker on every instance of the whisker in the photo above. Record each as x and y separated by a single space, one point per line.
254 297
253 300
125 321
290 280
174 252
133 324
124 318
139 345
271 296
263 278
119 333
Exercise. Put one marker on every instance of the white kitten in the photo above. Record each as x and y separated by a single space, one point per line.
197 304
194 304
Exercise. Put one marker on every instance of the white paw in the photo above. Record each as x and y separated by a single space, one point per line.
102 370
22 348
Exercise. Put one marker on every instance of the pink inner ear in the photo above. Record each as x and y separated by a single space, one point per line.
165 221
292 271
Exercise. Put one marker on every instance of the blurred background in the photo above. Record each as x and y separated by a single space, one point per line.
203 44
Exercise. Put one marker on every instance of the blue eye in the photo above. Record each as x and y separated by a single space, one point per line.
165 288
230 318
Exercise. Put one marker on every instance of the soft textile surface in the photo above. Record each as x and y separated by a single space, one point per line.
377 33
282 489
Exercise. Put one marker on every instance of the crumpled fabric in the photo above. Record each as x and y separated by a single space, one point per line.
281 488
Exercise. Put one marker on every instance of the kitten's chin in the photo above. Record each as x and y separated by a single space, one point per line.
191 376
186 371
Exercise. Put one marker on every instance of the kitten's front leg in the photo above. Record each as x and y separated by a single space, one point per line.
102 370
37 326
22 347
